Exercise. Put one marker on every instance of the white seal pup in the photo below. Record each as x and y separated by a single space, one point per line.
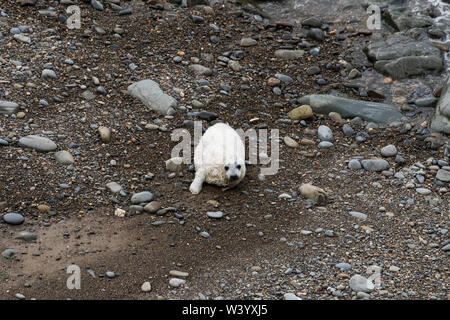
219 158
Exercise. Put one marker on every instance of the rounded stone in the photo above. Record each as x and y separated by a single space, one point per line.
443 175
290 142
325 133
105 134
389 151
301 113
64 157
174 164
354 164
176 282
347 130
13 218
146 287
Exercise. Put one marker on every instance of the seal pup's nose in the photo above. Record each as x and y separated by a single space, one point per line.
234 177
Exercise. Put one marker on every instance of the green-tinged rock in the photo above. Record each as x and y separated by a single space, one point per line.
348 108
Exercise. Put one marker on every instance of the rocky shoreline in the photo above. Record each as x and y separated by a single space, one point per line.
85 144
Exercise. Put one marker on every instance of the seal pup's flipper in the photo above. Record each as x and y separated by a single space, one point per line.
196 185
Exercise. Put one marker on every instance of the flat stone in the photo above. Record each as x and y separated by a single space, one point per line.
312 22
248 42
358 215
234 65
284 78
375 165
443 175
38 143
97 5
141 197
114 187
88 95
348 108
26 236
64 157
151 95
7 107
152 207
22 38
426 102
215 214
8 253
178 274
325 145
423 191
289 54
200 70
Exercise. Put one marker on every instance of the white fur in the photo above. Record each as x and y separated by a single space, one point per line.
220 145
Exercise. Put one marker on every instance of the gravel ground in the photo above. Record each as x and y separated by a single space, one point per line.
271 240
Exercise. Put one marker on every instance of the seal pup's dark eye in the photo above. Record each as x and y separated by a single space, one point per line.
226 168
238 166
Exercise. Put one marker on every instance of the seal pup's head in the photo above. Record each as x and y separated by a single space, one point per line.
233 171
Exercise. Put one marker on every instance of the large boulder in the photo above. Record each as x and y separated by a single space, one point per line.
348 108
402 57
440 120
153 97
398 14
